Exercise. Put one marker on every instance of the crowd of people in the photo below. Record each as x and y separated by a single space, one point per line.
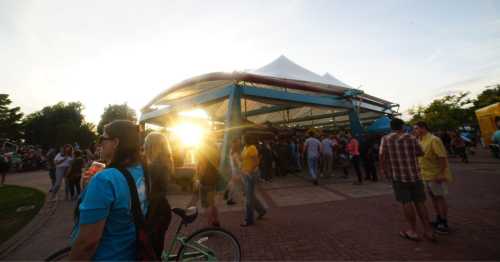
20 158
320 154
65 166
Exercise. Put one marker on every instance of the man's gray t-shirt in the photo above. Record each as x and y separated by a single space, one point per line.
313 146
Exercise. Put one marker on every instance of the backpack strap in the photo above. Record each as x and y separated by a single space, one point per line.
134 197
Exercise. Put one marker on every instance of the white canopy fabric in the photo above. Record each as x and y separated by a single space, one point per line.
284 68
331 80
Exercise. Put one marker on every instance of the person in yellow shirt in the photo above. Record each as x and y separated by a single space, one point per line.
435 173
250 172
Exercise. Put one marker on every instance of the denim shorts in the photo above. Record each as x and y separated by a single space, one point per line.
406 192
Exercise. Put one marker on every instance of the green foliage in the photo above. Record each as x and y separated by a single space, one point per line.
487 97
453 111
58 125
116 112
10 119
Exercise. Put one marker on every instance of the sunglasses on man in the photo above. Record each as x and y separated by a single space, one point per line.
101 139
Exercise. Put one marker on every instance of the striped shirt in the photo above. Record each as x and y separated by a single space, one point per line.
400 152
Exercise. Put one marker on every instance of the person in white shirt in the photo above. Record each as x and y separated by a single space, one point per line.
312 146
327 156
62 162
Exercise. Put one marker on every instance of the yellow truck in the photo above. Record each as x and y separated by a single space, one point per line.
486 119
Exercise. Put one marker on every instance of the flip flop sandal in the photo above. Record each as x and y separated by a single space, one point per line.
405 235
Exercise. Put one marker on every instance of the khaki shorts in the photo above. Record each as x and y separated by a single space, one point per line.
436 189
207 195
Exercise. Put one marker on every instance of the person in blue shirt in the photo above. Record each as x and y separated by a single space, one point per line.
104 228
495 138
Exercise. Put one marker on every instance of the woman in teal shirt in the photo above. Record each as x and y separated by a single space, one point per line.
105 229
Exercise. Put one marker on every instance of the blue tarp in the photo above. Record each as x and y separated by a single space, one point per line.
381 126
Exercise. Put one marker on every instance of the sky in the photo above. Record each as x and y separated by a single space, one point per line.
109 52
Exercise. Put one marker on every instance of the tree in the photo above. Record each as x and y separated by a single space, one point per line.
487 97
116 112
10 119
453 111
447 113
58 125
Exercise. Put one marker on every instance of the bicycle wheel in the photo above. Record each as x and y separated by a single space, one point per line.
210 244
60 255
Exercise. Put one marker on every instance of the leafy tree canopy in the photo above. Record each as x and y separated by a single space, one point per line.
453 111
10 119
58 125
116 112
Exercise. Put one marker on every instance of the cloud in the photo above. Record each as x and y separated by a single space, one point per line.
434 55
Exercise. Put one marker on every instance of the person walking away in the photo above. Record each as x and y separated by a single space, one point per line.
62 162
51 166
399 163
74 174
249 171
207 175
266 161
459 146
370 157
283 157
327 156
353 150
274 149
292 149
159 170
436 174
445 137
342 156
298 155
104 228
312 147
235 164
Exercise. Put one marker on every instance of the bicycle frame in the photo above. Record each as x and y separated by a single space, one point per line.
200 249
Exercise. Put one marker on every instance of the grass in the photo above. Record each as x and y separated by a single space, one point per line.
11 198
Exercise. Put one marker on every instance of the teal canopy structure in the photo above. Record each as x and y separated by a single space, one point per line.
381 125
281 93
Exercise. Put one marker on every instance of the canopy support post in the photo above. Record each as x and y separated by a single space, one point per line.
232 123
356 126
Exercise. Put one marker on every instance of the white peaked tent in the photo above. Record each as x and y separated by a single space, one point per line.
284 68
331 80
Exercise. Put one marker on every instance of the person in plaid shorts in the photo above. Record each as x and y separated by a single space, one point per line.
398 161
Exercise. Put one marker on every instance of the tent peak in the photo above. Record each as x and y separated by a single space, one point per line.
283 67
330 79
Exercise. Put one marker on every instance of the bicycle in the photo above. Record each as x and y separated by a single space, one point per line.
206 244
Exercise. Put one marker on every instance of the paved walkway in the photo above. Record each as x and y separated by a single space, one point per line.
333 221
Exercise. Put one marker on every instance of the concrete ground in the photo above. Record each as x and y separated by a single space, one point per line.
333 221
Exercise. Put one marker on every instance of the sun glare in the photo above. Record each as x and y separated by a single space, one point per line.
189 134
196 113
